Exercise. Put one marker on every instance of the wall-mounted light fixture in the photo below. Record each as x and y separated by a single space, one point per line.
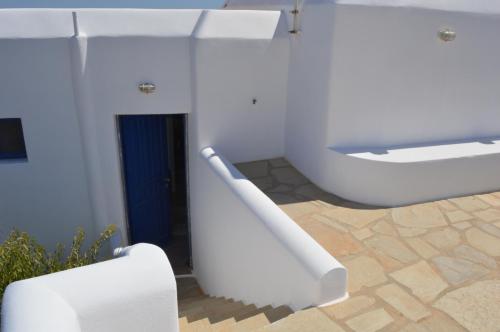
295 20
147 88
447 35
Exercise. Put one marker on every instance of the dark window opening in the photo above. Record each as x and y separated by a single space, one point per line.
12 139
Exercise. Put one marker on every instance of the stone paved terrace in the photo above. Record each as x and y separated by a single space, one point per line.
423 267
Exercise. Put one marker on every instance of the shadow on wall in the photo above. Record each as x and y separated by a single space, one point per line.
385 150
283 184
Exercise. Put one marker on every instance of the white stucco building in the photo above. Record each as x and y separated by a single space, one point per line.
136 118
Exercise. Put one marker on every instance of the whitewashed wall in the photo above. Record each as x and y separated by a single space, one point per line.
238 57
46 196
114 51
400 76
368 75
208 64
237 65
110 52
211 65
309 87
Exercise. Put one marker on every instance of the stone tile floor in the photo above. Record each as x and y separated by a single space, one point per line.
424 267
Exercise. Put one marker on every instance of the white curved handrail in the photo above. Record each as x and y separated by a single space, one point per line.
312 256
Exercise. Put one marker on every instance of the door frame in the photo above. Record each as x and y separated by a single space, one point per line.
187 153
123 185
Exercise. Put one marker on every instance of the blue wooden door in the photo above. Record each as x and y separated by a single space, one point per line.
146 172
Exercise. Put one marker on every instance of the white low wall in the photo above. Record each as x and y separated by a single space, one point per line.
373 74
247 248
135 292
399 176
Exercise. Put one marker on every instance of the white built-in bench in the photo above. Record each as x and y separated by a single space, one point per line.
427 153
400 175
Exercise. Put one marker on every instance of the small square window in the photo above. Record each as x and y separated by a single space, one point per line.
12 139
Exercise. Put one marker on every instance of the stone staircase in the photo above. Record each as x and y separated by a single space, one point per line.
199 312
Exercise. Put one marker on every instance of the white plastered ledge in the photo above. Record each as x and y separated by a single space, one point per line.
404 175
135 292
427 152
35 24
476 6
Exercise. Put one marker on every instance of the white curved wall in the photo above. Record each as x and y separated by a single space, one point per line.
389 182
246 247
373 75
135 292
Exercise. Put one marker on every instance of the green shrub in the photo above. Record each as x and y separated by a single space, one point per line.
21 257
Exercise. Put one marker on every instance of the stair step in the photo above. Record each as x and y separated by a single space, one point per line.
204 302
216 310
244 312
218 307
183 324
186 302
201 313
311 319
202 325
224 316
249 324
251 310
278 313
223 325
194 314
187 288
191 294
203 309
224 311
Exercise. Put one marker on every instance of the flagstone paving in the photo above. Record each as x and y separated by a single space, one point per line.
425 267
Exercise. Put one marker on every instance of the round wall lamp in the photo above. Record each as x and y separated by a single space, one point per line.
147 88
447 35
